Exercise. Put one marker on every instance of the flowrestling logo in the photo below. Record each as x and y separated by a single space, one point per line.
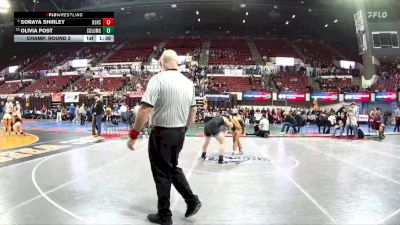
357 97
325 96
218 97
385 96
256 96
292 96
235 159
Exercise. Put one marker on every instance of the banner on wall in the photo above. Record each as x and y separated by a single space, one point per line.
56 97
363 118
325 96
361 32
292 96
233 71
357 97
385 96
256 96
71 97
218 97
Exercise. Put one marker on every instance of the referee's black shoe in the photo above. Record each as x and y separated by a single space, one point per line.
193 206
155 218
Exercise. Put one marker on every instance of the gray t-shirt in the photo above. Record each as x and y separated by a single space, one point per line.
172 95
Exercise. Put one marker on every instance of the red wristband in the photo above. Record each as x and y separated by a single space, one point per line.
133 134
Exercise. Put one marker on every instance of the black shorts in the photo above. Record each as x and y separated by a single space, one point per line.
211 131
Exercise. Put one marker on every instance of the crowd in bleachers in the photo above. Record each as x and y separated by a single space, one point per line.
134 51
185 46
317 53
230 51
337 84
291 82
275 47
389 78
50 84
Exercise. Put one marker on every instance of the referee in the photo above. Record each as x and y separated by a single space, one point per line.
170 97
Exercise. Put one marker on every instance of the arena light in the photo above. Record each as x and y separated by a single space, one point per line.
198 20
197 12
336 20
242 5
247 13
4 6
174 6
294 16
243 21
326 25
287 23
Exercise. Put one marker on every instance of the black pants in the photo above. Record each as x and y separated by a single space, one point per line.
262 133
165 145
397 127
82 119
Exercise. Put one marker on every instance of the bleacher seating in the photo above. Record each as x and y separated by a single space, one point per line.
317 53
237 84
134 51
12 87
95 50
54 58
109 83
184 45
275 47
228 51
389 79
336 84
291 82
392 83
51 84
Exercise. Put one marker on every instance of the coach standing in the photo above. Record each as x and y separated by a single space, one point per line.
171 97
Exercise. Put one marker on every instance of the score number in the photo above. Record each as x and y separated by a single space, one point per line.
108 21
108 26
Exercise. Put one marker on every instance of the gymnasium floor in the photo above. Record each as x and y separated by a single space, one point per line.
277 181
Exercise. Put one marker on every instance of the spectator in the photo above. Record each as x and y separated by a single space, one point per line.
71 112
263 127
289 121
98 113
122 110
351 123
82 114
58 113
397 119
340 124
1 109
332 122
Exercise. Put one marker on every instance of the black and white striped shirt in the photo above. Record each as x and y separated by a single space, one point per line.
172 95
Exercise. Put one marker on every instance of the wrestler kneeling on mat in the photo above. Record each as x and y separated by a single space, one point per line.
17 123
237 131
214 128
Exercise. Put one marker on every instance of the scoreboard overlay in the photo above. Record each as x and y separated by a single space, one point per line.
63 26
